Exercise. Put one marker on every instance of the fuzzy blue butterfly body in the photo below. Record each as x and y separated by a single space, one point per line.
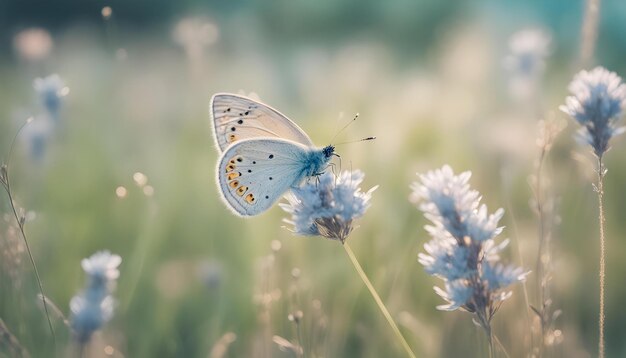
263 154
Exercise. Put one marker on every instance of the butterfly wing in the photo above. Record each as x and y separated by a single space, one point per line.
237 118
253 174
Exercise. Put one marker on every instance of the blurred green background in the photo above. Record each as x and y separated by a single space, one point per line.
427 78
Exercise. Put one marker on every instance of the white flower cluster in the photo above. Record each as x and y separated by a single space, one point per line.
462 251
328 205
93 307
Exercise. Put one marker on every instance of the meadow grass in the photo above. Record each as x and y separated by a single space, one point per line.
196 281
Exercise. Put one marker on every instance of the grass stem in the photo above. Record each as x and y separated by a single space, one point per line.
600 190
6 183
543 251
379 302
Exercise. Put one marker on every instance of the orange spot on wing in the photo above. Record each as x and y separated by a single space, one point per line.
241 190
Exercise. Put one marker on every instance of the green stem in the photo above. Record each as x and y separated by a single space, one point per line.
600 190
379 302
542 252
7 186
486 326
501 346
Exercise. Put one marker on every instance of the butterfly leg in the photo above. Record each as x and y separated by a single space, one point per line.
338 156
332 168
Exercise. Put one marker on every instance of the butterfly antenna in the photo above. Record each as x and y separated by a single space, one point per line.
344 127
356 141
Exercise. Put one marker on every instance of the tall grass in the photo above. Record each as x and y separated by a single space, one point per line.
144 110
5 179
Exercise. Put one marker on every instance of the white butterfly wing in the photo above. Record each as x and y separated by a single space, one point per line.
237 118
253 174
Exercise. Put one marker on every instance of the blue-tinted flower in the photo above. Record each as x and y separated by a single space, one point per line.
482 226
35 136
597 100
457 293
499 276
101 270
102 266
51 91
526 62
528 50
462 250
90 315
94 305
446 199
445 259
327 205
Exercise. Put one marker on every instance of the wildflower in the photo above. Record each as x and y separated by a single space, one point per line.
94 306
35 136
457 293
102 272
462 251
526 61
328 205
529 49
597 100
51 90
89 316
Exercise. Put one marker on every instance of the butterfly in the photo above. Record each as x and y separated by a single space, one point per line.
262 153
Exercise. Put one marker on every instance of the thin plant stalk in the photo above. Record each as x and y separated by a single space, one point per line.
6 182
486 326
600 190
379 302
10 343
57 311
300 351
295 317
501 346
542 249
82 348
589 33
545 216
521 259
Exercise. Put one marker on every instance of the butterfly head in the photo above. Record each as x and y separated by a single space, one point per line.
329 151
